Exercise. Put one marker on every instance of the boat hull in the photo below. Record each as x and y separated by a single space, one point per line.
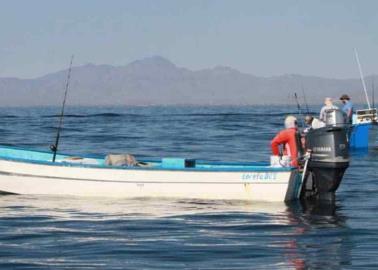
364 135
57 179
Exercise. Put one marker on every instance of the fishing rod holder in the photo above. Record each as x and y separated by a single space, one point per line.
53 148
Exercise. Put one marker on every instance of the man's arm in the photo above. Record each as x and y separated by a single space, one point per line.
280 138
349 112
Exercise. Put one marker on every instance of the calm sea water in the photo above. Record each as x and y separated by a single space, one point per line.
39 232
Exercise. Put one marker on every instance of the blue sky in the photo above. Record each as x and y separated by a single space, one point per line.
264 38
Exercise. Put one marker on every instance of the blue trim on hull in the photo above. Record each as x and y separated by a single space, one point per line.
17 154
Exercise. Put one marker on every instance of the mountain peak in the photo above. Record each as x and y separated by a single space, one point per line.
156 80
154 61
225 69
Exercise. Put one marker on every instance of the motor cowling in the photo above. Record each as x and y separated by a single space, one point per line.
329 149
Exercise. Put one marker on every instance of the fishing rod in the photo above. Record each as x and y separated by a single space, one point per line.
372 93
305 100
299 107
362 78
54 147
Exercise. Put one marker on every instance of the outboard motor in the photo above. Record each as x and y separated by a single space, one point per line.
329 157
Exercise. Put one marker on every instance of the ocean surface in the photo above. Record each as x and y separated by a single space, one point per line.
39 232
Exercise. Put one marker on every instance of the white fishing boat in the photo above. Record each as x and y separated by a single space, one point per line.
32 172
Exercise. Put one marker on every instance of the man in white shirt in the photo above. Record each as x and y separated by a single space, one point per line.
328 105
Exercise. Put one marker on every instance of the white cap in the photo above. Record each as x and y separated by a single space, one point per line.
290 122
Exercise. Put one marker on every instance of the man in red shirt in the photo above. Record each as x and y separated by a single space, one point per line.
288 139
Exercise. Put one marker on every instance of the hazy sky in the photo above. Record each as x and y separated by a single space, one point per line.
259 37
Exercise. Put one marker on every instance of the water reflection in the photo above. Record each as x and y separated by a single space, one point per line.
323 237
299 235
64 206
364 152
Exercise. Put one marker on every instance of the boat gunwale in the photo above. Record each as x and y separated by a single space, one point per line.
253 167
373 123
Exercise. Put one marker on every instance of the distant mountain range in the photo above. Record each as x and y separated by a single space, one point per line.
157 81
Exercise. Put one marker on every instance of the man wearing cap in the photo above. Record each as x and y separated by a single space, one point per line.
347 108
288 139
